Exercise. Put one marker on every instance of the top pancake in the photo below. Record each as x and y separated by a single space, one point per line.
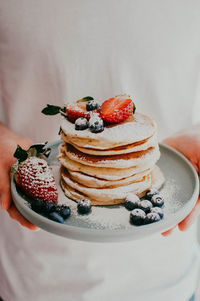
136 128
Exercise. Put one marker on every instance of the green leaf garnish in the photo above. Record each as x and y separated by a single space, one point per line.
53 110
35 150
134 108
20 154
39 150
85 99
60 130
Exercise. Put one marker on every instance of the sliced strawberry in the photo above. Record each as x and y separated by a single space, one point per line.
76 110
116 109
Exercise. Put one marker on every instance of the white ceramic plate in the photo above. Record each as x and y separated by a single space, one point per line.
111 223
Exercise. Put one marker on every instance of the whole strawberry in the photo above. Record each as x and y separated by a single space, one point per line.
33 175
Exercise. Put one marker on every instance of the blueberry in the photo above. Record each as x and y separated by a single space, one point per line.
56 217
137 217
157 210
48 207
63 210
84 206
131 201
96 125
157 200
92 105
81 124
152 217
145 205
150 193
37 205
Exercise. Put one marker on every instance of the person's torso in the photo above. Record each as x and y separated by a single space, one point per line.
56 52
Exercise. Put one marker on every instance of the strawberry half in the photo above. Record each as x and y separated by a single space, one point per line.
76 110
33 175
116 109
71 111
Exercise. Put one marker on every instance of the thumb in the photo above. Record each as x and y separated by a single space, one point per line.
5 200
189 220
16 215
5 194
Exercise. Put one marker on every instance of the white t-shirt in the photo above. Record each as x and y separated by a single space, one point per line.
59 51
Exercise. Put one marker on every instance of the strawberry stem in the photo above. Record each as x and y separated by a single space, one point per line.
40 149
37 150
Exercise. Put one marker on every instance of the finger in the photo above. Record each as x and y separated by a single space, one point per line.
175 143
189 220
172 141
26 143
16 215
6 200
168 232
5 197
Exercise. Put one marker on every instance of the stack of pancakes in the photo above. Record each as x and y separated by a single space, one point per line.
104 167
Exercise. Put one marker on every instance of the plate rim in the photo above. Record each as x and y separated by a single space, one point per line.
106 235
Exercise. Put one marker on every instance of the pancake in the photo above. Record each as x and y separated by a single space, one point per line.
138 127
108 195
103 172
157 178
112 196
115 161
123 149
104 167
95 182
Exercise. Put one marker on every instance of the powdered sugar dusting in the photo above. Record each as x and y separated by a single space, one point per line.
75 108
35 178
133 130
116 217
81 120
93 117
